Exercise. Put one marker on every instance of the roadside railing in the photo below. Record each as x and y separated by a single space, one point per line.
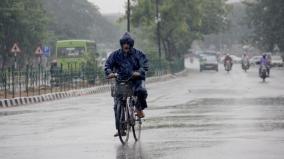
33 81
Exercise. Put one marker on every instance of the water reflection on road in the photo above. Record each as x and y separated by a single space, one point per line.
130 151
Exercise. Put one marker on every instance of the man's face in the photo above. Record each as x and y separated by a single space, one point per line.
126 47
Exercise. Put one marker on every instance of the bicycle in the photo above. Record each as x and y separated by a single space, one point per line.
126 111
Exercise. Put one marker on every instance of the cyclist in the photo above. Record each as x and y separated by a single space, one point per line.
129 62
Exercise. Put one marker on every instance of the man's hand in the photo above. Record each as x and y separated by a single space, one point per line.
136 74
112 75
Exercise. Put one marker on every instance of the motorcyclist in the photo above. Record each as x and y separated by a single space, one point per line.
264 62
245 60
228 58
129 62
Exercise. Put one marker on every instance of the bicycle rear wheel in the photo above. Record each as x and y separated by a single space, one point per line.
136 128
123 124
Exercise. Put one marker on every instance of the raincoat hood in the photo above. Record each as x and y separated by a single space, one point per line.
126 38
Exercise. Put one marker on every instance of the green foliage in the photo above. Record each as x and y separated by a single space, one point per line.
22 21
266 19
236 33
78 19
34 22
182 22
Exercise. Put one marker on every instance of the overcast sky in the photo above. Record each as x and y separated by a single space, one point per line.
117 6
110 6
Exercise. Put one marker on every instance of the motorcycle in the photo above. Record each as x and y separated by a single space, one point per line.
263 72
228 66
245 65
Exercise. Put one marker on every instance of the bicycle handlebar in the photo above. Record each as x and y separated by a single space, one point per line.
116 75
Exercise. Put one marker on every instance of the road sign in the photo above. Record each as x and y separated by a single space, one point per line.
15 49
46 51
38 51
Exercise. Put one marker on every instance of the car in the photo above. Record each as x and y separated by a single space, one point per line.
254 60
236 59
276 61
208 63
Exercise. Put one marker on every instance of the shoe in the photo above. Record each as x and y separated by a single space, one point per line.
140 114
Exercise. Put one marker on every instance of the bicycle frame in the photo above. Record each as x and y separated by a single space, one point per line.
126 111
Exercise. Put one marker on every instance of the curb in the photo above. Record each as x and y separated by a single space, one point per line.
5 103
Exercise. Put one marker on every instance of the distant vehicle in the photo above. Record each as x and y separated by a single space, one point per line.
277 61
212 53
207 53
235 58
208 63
228 66
263 72
255 60
73 51
72 55
245 65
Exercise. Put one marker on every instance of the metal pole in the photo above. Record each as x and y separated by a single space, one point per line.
158 29
39 78
45 81
5 74
33 79
27 80
128 15
60 77
13 74
20 81
13 81
15 64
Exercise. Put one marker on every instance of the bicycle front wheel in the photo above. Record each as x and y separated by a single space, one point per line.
123 124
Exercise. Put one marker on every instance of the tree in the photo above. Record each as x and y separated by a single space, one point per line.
182 22
35 22
22 21
236 32
266 19
78 19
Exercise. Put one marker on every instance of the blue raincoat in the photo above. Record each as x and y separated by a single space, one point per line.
124 65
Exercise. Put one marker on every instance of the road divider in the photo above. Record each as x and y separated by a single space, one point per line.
5 103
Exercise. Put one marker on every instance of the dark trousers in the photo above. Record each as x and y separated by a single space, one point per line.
140 92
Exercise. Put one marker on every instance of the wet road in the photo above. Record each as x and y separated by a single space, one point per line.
203 115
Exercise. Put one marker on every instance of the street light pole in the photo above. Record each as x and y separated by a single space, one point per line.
158 20
128 15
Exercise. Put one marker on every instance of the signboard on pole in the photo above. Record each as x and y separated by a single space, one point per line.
15 49
38 51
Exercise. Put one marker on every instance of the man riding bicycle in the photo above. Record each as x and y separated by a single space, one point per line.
125 63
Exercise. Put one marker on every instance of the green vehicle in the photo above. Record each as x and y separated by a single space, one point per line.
72 53
75 59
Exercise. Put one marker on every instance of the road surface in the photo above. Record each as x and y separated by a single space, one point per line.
208 115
